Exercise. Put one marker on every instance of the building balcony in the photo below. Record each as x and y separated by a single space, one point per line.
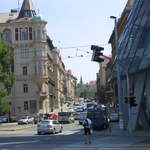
43 95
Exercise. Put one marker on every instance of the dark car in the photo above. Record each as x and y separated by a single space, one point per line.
3 119
98 117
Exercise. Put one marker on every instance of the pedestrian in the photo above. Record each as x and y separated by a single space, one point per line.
87 124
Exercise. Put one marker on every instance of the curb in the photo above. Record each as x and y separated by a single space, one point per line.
115 134
5 124
16 129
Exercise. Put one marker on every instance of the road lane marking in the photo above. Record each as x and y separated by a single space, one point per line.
24 142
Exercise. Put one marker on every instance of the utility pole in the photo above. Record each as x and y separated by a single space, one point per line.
118 75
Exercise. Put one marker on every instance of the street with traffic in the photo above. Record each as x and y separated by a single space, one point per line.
72 137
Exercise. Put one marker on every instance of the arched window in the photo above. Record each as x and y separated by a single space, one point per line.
7 35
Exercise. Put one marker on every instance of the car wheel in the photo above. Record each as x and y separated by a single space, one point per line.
54 131
61 129
39 133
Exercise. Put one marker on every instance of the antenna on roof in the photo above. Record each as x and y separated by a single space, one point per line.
38 11
18 5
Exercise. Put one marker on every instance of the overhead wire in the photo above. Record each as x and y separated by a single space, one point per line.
72 47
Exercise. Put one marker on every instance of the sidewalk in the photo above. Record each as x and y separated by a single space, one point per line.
116 131
15 126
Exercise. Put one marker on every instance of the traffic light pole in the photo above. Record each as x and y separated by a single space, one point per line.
128 95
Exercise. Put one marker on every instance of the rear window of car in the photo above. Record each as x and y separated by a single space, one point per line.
45 122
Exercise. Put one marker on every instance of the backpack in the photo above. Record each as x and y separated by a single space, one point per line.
86 123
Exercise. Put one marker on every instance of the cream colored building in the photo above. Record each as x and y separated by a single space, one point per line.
71 83
102 72
35 89
59 74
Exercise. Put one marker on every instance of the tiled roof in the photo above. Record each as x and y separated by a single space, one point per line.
27 9
27 5
92 83
4 17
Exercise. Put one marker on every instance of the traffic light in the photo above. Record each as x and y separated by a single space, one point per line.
126 100
132 101
97 53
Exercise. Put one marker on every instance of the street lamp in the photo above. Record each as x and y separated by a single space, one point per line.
118 75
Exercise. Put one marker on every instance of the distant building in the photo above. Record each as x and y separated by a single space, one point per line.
102 71
71 84
91 84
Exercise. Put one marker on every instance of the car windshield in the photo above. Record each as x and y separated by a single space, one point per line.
83 115
114 114
45 122
24 117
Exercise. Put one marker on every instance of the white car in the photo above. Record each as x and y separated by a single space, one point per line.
26 120
78 108
49 126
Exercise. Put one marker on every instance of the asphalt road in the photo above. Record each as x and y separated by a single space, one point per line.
70 139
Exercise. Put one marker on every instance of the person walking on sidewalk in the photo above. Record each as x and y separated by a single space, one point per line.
87 124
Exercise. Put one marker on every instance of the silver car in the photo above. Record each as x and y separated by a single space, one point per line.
26 120
49 126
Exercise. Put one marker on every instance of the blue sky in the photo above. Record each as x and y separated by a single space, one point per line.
75 23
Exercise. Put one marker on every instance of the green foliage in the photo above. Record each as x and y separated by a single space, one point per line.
3 92
101 94
86 92
4 106
6 76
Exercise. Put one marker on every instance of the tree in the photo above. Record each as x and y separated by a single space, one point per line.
101 94
86 92
6 75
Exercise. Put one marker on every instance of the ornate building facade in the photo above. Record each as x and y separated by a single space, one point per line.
35 88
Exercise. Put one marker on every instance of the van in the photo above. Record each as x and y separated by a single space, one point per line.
99 118
65 117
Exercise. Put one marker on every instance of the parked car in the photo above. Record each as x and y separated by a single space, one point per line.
26 120
78 108
70 109
76 115
53 116
82 117
49 126
114 117
3 119
13 119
